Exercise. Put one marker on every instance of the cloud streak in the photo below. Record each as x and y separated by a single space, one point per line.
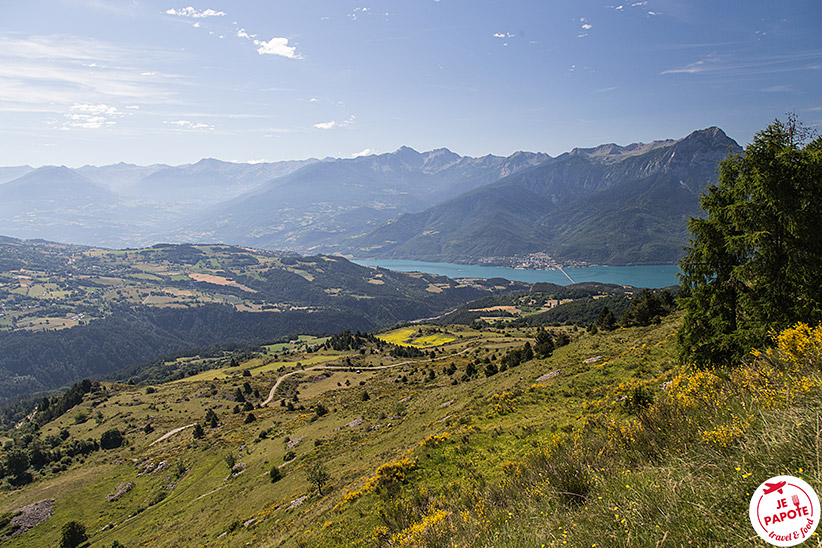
334 124
55 72
89 116
187 124
714 64
189 11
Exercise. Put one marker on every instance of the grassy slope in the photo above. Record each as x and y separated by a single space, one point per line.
519 463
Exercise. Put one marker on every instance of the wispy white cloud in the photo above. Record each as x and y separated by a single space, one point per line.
89 116
334 124
196 14
358 12
364 152
104 110
733 66
691 68
116 7
585 26
622 7
187 124
56 72
779 89
504 35
277 46
326 125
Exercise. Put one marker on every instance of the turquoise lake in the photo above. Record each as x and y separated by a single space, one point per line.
653 276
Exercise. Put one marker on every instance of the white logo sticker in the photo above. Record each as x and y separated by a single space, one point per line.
784 511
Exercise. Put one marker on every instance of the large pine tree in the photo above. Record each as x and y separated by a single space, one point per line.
755 261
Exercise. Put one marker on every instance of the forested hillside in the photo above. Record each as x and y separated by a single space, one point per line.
70 312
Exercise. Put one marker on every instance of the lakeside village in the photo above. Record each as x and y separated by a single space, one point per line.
532 261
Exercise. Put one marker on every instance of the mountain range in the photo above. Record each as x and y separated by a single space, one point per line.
610 204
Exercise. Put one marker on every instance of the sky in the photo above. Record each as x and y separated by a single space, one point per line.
144 81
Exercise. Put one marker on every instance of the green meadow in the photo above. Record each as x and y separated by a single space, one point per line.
606 442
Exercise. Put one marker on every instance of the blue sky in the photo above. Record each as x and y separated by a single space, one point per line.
104 81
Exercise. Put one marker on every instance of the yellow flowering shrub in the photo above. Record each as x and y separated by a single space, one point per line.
513 470
396 471
697 389
368 487
502 404
389 473
429 528
725 435
800 345
435 439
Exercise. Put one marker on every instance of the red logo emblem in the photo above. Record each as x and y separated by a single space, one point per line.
784 511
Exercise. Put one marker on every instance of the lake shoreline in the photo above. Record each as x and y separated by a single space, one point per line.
651 276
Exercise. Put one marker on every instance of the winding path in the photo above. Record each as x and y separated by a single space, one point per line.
273 391
170 433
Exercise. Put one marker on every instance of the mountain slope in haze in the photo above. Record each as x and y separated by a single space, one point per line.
210 180
319 205
297 205
11 173
121 205
59 201
54 187
611 205
119 177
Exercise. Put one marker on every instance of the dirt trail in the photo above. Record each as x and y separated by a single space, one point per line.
170 433
273 391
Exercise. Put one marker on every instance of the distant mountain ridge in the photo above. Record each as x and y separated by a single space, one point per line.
321 204
296 205
611 205
210 177
612 152
58 201
608 204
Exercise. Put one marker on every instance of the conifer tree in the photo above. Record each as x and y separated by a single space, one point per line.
753 263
